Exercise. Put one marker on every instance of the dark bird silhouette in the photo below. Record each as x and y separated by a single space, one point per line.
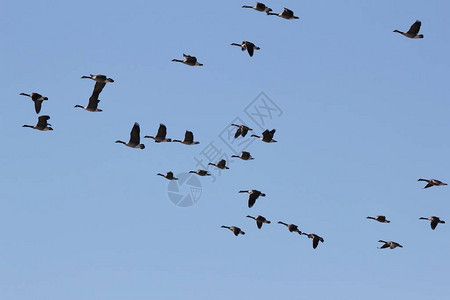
291 227
168 176
188 139
316 239
260 220
188 60
246 45
259 7
432 182
221 164
267 136
253 195
42 124
160 135
242 130
434 221
236 230
381 219
413 31
37 99
201 172
244 156
286 14
389 244
135 139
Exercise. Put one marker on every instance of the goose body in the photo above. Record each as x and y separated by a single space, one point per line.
267 136
413 31
135 139
221 164
260 220
434 221
432 182
37 99
188 139
168 176
244 156
160 135
246 45
389 244
188 60
201 172
286 14
291 227
41 125
236 230
316 239
242 130
259 7
253 195
381 219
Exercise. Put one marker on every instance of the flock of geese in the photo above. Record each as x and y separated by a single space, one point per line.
241 131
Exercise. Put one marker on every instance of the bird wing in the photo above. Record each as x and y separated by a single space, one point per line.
37 105
189 136
222 163
315 241
98 87
238 132
252 199
288 12
266 135
250 48
429 184
245 154
162 131
414 29
259 224
384 246
272 133
135 134
42 121
244 131
169 174
434 223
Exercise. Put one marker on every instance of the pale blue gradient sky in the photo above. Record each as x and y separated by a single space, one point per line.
365 114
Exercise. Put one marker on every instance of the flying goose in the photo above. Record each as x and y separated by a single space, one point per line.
259 7
253 195
41 124
188 139
221 164
241 131
201 172
135 139
169 176
37 99
381 219
236 230
291 227
188 60
246 45
316 239
389 244
432 182
244 156
160 136
413 31
259 220
267 136
434 221
286 14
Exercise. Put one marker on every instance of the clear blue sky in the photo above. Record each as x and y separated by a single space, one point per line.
365 114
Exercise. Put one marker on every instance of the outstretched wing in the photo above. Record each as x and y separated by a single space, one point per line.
250 48
42 121
414 29
135 134
37 105
189 136
238 132
98 87
162 131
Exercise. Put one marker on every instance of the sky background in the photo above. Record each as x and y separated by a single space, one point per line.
364 115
